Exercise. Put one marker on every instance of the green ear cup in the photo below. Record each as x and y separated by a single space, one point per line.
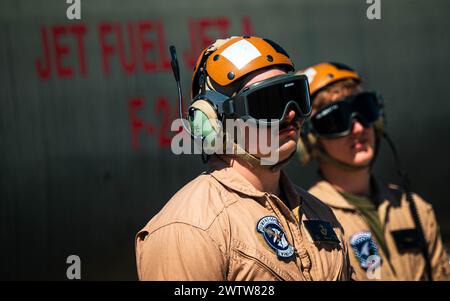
201 126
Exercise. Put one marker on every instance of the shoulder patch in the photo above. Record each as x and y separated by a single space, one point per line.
274 236
365 249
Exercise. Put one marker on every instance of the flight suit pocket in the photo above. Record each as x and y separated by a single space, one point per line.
248 263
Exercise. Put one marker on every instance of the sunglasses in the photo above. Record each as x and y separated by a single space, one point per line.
336 119
268 102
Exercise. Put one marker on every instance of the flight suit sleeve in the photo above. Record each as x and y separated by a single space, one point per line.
179 251
438 256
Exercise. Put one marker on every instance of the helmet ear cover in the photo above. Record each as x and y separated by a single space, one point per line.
306 146
205 114
203 118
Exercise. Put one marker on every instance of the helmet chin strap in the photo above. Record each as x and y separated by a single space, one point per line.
254 161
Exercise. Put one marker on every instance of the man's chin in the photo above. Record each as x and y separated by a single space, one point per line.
362 161
288 141
287 149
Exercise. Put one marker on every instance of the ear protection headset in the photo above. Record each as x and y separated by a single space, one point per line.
219 73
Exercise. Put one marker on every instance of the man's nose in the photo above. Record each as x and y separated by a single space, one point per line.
290 116
357 126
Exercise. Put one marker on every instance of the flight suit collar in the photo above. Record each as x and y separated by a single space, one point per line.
330 196
232 179
289 189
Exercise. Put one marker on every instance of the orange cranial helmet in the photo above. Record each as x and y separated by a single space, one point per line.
229 60
322 75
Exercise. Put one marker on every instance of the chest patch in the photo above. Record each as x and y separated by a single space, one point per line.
273 234
321 231
407 240
365 249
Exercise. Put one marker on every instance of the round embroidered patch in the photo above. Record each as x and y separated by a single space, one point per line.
365 249
274 235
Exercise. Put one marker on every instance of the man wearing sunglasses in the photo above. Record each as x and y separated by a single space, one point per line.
236 221
392 233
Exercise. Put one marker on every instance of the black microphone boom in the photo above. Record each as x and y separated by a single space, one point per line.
174 63
176 74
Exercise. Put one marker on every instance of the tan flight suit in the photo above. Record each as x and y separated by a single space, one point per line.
405 263
219 227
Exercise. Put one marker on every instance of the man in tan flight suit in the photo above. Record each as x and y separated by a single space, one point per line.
236 221
392 233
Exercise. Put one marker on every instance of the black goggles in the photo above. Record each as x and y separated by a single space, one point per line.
268 101
336 119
